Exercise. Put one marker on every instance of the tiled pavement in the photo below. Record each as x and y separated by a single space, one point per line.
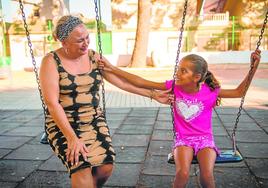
142 137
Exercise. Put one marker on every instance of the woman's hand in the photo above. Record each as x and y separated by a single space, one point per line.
255 58
164 97
76 147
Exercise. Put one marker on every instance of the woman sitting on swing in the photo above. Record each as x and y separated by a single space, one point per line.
75 125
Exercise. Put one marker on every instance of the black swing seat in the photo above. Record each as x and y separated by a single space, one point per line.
226 156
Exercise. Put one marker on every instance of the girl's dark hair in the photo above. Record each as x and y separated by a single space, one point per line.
201 67
211 81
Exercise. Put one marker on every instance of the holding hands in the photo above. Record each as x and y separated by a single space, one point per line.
161 96
164 97
104 65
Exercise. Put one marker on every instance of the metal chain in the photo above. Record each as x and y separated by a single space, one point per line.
262 31
32 56
98 20
247 84
177 62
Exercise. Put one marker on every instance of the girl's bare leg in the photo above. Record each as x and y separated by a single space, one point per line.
183 156
206 159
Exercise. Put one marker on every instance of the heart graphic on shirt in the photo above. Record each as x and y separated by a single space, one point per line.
188 109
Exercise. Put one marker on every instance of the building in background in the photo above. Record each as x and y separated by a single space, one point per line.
211 26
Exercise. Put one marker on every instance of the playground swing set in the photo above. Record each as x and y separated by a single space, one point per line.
226 156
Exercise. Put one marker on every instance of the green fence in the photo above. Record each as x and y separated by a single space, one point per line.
5 68
5 61
106 43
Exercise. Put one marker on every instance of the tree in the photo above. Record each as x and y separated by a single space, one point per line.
138 58
120 13
254 12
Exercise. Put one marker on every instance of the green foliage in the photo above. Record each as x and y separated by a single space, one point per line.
93 25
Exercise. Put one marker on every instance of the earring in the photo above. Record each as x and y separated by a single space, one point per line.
66 50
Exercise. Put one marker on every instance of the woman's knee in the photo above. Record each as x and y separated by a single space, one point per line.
104 170
82 178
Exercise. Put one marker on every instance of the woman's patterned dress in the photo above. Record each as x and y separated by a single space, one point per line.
79 97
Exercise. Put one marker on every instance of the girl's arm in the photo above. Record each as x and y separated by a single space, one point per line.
131 78
242 88
49 80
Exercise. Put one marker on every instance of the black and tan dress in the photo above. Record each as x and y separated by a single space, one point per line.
79 97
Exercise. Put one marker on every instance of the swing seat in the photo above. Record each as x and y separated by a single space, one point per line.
43 139
226 156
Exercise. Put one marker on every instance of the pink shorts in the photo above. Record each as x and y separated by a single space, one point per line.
197 143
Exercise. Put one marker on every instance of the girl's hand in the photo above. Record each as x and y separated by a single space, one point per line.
75 148
255 58
164 97
104 65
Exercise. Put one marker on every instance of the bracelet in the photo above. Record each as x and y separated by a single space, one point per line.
152 94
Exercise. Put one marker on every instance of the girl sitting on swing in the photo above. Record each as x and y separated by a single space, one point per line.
196 93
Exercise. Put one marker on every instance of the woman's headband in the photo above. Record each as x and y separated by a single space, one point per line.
67 27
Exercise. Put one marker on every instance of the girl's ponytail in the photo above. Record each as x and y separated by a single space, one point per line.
213 83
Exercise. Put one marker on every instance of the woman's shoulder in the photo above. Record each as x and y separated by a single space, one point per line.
91 52
93 55
48 57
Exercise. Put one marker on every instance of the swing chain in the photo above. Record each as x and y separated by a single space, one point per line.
180 38
98 20
177 62
262 30
247 84
32 55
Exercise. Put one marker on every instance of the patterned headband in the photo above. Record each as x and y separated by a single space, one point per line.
67 27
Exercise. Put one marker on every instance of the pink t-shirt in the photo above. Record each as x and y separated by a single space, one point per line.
193 112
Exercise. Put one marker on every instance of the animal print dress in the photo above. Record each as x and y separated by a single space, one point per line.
79 97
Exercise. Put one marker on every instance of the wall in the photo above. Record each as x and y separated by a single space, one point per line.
162 50
162 60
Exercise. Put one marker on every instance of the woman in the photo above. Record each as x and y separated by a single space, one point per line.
75 125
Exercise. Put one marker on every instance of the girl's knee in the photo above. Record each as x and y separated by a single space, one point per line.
183 174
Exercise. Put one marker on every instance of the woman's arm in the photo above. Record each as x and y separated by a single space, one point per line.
242 88
160 96
49 80
138 81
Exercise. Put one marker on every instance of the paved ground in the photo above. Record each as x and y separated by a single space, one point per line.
141 132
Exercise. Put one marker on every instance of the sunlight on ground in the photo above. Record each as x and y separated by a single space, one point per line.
229 76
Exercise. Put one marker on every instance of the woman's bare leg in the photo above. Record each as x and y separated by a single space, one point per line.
82 178
101 174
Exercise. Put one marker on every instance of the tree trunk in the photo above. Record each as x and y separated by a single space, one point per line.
139 55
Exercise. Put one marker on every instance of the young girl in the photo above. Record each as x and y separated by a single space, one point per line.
196 93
